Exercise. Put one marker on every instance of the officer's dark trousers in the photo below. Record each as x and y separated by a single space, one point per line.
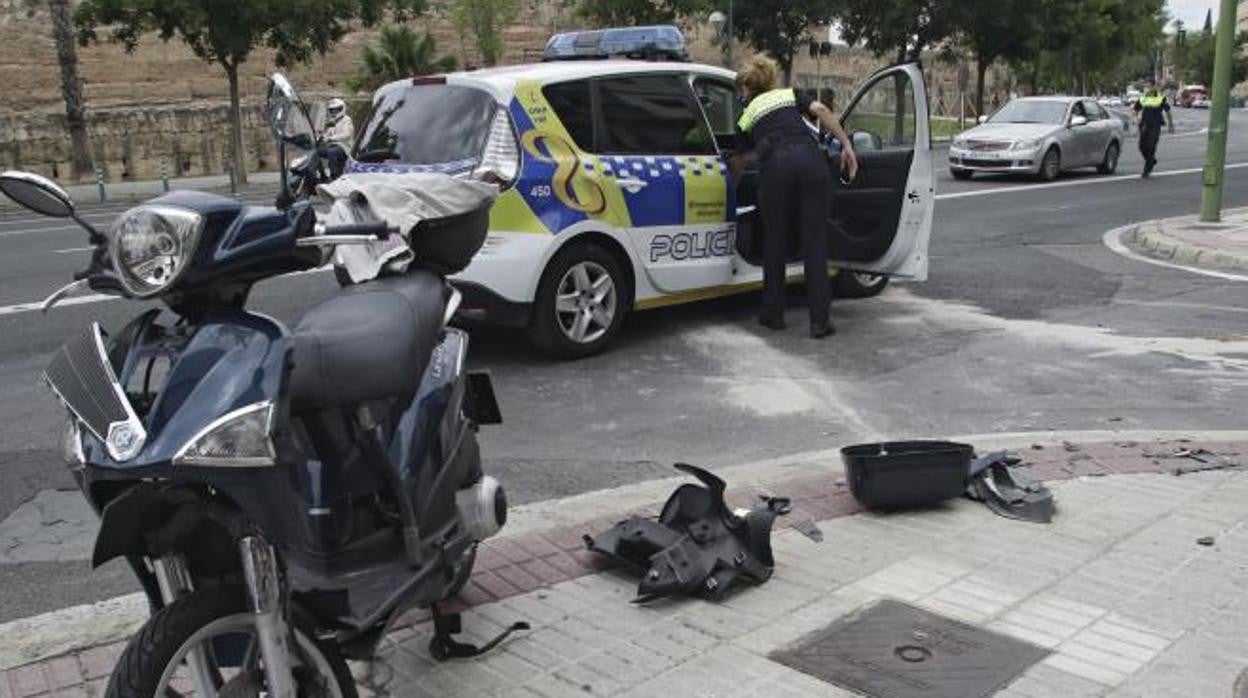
1149 135
795 196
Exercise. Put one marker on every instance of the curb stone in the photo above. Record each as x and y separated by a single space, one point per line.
1152 239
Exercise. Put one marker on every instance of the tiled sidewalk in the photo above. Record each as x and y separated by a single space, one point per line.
1116 587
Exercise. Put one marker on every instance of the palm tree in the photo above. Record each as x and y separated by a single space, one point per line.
71 87
400 53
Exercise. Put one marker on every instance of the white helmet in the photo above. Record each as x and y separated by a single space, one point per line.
335 109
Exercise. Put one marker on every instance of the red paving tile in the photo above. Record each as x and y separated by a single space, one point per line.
545 572
5 690
517 577
27 681
495 585
62 672
536 545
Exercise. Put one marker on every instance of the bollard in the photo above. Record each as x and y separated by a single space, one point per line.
99 182
164 176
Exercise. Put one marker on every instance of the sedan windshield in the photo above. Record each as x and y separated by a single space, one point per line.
1031 112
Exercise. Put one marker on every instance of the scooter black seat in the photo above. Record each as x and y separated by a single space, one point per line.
369 342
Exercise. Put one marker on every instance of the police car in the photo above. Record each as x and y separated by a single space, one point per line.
616 194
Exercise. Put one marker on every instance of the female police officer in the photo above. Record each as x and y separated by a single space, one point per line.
794 189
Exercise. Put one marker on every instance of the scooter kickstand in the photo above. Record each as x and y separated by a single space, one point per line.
443 646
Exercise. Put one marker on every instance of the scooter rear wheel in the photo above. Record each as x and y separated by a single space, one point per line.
211 630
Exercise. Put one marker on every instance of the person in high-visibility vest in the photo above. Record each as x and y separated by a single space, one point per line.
1151 111
795 185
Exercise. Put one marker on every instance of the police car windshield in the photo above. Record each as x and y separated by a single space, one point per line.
427 125
1031 112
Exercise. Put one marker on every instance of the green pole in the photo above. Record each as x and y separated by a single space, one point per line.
1215 156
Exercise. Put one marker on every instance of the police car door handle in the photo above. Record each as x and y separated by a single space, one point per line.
632 185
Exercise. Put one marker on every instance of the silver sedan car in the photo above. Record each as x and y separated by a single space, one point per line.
1041 137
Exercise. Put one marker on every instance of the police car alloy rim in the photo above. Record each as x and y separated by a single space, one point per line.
585 302
868 280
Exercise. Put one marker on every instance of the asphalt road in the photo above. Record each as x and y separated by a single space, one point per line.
1028 323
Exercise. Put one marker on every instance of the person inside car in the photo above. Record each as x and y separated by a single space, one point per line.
794 186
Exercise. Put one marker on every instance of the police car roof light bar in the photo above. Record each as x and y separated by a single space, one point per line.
660 42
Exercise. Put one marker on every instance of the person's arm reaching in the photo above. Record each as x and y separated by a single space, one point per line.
829 122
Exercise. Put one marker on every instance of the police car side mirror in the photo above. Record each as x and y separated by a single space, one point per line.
1077 121
983 118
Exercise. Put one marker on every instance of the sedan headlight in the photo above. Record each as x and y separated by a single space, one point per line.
1025 145
152 245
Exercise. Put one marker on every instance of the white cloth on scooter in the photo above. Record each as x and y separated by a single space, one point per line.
402 200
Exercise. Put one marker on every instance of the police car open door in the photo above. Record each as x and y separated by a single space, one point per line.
882 220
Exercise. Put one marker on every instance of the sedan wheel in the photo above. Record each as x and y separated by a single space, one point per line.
1051 166
1110 164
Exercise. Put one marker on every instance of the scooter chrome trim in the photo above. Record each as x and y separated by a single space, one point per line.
264 598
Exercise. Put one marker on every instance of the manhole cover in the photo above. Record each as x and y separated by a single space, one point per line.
892 650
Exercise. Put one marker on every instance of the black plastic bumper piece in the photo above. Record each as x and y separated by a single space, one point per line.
481 306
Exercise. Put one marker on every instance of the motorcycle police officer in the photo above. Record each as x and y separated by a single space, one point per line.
339 136
794 188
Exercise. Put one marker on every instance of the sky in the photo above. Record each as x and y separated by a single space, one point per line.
1193 12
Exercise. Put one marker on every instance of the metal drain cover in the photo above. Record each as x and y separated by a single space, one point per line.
893 650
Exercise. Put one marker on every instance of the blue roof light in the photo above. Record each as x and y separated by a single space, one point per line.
662 42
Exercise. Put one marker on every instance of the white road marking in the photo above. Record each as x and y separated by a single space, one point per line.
67 250
1075 183
1113 240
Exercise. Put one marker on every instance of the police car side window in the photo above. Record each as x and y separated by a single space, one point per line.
573 106
651 115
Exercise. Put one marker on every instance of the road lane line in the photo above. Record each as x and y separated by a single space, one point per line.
67 250
1113 240
1076 183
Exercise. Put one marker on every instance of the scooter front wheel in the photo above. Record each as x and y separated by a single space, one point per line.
205 644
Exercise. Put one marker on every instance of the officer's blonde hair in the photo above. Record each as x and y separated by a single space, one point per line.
758 74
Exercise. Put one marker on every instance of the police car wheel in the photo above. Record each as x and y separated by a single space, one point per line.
859 284
580 303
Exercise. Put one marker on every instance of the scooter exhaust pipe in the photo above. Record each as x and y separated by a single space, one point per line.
482 508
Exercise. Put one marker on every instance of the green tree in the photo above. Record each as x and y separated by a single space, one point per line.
993 30
1198 59
225 32
779 27
616 13
902 29
485 20
400 53
71 87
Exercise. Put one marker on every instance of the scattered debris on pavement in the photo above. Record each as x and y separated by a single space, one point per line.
697 545
809 529
1203 460
1008 490
1207 541
900 475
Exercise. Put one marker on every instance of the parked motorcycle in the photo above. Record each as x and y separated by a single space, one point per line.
319 160
282 495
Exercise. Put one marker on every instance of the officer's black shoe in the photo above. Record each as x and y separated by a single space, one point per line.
821 331
771 321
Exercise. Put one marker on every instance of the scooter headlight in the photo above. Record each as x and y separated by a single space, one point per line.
240 439
152 245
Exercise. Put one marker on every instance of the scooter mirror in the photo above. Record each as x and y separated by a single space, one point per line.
288 117
37 193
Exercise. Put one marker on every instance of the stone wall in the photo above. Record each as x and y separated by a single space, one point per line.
162 105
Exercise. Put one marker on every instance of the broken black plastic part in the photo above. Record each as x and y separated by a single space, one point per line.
443 646
697 546
1012 493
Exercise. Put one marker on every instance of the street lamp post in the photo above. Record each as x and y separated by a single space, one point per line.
1219 115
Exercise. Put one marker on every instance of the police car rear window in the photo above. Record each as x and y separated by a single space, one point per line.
427 125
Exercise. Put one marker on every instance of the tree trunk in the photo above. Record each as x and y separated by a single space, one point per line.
71 88
981 70
237 158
